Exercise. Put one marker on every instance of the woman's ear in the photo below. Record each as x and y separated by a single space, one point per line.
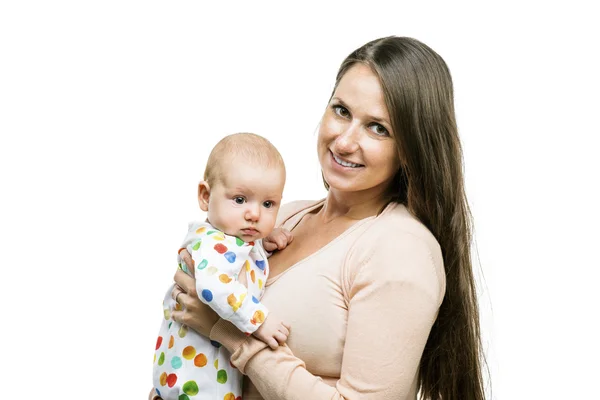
203 195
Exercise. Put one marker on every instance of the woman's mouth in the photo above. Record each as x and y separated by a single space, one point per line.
344 163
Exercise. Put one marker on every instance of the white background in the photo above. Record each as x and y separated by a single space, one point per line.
108 110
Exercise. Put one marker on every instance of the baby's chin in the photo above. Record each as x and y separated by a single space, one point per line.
249 238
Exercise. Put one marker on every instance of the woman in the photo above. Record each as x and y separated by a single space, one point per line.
377 284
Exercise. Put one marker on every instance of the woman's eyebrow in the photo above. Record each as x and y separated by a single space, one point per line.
370 117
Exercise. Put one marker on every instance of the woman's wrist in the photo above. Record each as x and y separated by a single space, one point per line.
228 335
241 346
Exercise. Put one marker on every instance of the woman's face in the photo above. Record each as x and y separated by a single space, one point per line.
356 148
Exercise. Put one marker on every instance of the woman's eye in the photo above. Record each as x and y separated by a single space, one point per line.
268 204
379 130
239 200
341 111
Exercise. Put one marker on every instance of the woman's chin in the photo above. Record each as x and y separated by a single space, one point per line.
343 185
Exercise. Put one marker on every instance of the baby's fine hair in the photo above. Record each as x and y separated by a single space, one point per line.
249 148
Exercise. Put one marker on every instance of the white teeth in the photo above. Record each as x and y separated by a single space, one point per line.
344 163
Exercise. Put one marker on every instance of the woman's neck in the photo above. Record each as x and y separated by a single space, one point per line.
351 205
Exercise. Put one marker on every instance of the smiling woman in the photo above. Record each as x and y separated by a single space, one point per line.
377 284
356 146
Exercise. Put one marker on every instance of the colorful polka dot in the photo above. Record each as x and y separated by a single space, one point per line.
176 362
190 388
219 236
196 245
260 283
224 278
182 331
207 295
233 301
200 360
183 397
171 341
216 363
260 264
230 256
189 352
258 317
247 265
239 241
253 276
222 376
202 264
216 344
201 230
163 379
254 300
158 342
211 271
167 314
171 380
161 359
220 248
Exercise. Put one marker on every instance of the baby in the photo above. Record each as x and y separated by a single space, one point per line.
241 194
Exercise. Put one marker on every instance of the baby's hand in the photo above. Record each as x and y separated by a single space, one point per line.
273 332
277 240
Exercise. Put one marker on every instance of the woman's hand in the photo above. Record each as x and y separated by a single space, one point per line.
195 314
153 395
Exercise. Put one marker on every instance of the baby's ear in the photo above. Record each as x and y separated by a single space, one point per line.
203 195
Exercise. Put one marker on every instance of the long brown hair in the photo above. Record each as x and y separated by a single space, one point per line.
419 96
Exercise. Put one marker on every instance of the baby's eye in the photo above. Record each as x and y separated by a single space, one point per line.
268 204
239 200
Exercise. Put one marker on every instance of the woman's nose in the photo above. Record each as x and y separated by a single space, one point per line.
347 140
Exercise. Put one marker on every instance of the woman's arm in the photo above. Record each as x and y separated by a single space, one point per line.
394 296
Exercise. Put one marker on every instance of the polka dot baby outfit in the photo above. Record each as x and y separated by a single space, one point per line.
188 365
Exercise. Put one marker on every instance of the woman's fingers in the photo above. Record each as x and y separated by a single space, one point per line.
176 292
153 395
185 282
187 258
178 316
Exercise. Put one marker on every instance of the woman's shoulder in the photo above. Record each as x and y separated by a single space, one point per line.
398 235
396 221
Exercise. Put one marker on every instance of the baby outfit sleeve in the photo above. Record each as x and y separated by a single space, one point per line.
219 259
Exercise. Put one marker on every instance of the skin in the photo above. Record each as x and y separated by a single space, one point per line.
245 201
355 128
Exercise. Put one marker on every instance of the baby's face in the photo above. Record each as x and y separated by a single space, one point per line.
245 202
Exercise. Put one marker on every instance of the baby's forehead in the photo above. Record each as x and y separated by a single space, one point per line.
253 180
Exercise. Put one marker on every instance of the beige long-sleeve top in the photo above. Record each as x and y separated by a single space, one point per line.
361 309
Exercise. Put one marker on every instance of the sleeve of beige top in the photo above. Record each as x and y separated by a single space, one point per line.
393 293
